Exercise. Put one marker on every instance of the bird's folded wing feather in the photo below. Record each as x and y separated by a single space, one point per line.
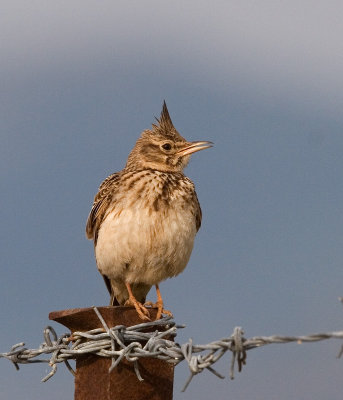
100 205
198 213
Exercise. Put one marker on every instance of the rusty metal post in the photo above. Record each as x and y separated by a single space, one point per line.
93 380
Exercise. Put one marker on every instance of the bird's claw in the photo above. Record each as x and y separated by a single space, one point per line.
160 309
142 311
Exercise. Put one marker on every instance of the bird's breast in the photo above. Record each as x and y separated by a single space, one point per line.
147 239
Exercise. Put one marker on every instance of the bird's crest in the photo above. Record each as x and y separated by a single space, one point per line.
165 120
165 125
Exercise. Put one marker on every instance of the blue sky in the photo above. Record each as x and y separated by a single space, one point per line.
263 81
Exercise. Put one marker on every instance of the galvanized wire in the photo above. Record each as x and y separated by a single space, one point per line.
133 343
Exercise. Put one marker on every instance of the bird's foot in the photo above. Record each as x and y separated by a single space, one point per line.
142 311
160 309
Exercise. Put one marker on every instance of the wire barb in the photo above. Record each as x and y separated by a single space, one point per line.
133 343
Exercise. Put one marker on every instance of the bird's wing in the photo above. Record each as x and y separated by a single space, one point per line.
193 199
100 205
197 212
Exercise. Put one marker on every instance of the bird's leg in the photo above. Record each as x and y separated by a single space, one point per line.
132 301
159 305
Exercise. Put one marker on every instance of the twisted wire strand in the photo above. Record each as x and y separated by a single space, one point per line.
133 343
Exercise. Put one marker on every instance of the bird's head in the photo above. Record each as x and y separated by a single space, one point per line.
163 148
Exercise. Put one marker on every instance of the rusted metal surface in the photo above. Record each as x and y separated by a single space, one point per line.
93 380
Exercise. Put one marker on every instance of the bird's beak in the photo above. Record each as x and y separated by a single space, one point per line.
193 147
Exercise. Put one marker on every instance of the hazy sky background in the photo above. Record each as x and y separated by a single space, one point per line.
263 80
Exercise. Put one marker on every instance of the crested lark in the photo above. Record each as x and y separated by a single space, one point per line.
144 218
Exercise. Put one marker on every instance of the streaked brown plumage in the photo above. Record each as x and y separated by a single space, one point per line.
145 217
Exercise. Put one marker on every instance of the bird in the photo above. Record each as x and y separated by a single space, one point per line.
144 219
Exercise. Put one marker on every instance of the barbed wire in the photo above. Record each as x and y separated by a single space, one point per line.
133 343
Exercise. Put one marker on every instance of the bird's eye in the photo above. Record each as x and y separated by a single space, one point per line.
166 146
